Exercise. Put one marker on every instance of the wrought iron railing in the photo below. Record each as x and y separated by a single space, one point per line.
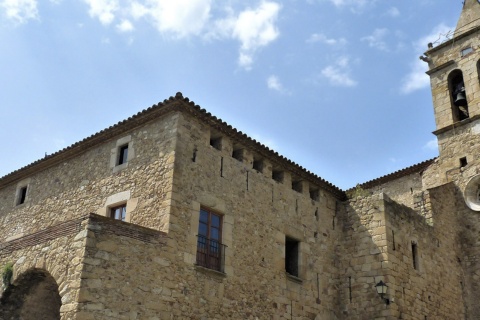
210 253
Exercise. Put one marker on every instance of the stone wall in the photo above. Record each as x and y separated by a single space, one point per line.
56 252
379 236
88 183
258 213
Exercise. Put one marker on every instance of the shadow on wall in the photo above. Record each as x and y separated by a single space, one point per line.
34 295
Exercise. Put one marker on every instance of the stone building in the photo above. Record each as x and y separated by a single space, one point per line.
174 214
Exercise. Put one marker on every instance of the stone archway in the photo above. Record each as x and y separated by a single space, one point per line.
34 295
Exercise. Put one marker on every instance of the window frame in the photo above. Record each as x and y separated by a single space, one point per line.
113 211
210 252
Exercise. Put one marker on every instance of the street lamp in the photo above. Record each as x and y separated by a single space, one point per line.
382 290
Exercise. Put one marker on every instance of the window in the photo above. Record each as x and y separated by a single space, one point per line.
297 186
314 194
277 175
122 154
458 96
210 250
291 256
216 143
119 213
238 154
463 162
258 165
22 195
466 51
414 255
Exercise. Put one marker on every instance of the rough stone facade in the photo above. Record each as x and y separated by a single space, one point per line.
286 245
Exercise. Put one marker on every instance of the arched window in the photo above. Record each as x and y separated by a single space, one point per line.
458 96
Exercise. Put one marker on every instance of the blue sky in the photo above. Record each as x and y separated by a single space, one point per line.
334 85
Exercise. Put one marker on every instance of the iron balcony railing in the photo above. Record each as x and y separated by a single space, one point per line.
210 253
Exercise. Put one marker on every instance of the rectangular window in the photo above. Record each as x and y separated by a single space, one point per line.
122 154
292 247
210 250
22 195
119 213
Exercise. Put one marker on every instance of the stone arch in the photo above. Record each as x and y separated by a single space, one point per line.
456 86
33 295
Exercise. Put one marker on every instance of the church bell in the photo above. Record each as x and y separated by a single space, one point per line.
460 98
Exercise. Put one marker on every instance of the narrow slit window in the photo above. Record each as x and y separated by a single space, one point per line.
122 154
415 255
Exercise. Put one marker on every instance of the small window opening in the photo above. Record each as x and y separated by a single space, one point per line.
22 195
258 165
119 213
314 194
415 255
458 96
316 214
278 175
466 51
393 240
238 154
194 155
463 162
216 143
122 154
297 186
291 256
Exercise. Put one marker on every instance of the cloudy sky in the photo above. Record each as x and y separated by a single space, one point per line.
334 85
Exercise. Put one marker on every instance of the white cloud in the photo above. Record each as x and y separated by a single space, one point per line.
339 73
416 79
354 5
273 83
20 10
255 28
125 26
393 12
319 37
431 145
104 10
376 39
179 18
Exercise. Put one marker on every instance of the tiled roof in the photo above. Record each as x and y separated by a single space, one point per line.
417 168
177 103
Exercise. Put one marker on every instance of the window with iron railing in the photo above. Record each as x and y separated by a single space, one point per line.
210 253
210 250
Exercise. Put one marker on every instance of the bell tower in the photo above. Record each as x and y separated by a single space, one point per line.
454 70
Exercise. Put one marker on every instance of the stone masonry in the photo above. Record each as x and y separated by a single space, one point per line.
214 225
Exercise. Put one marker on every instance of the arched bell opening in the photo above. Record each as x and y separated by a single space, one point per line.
458 96
34 295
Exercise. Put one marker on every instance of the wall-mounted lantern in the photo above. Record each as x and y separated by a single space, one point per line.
382 291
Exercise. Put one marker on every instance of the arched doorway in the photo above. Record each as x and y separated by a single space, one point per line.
34 295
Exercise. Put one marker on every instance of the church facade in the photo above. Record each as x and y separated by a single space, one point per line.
174 214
